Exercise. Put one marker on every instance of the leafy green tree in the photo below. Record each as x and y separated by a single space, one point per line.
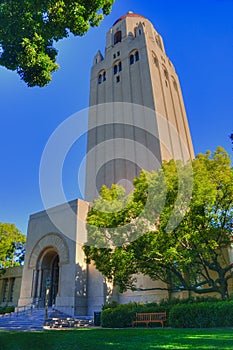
29 28
176 227
12 246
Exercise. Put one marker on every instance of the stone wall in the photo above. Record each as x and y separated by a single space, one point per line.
10 284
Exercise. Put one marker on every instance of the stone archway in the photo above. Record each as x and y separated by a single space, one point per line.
48 254
47 267
49 240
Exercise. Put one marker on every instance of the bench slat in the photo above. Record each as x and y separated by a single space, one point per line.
150 317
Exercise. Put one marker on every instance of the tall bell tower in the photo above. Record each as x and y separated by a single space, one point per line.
137 116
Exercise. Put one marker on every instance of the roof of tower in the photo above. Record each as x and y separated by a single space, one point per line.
129 14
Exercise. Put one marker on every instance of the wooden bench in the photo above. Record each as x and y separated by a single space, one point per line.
149 317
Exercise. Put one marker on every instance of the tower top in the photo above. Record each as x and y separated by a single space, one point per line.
129 14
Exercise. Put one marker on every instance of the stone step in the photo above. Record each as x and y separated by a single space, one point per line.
31 320
35 320
68 322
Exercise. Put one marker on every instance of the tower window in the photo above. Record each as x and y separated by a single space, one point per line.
118 53
12 286
118 79
114 56
166 74
131 59
175 85
134 57
158 42
156 61
5 290
115 69
101 77
117 37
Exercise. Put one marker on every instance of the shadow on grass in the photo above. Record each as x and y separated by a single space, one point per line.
119 339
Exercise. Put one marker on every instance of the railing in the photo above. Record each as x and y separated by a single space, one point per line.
21 310
25 309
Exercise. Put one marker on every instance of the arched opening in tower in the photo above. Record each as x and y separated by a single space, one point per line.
46 277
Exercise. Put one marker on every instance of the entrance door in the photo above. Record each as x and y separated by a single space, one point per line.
54 281
48 267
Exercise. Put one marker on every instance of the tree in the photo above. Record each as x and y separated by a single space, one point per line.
29 28
176 227
12 246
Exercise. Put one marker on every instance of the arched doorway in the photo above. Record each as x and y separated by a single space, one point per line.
47 268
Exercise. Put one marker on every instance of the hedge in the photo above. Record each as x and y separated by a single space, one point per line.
120 316
202 315
186 313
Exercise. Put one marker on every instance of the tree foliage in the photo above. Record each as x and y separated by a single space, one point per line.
12 246
176 227
29 28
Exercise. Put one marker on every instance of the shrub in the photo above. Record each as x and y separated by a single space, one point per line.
202 315
6 309
121 315
118 317
110 305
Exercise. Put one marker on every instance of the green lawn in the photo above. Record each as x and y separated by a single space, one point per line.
119 339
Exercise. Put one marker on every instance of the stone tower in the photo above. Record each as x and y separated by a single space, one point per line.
137 116
136 119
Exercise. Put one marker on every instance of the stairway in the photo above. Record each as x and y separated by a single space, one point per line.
29 321
33 320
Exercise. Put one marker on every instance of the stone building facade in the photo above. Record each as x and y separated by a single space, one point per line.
75 288
10 285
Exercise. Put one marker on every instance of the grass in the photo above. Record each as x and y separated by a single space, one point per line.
119 339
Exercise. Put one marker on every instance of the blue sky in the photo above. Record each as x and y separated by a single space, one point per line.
198 39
